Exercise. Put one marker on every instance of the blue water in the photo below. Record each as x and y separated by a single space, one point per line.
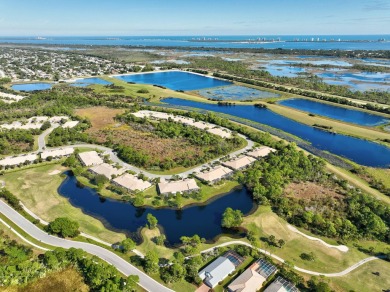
234 92
31 86
335 112
89 81
123 217
175 80
190 41
360 151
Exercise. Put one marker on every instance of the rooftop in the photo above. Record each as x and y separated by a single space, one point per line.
260 152
167 187
239 162
214 174
56 153
131 182
18 159
107 170
281 285
90 158
216 271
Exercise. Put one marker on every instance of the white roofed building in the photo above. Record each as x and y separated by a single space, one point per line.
260 152
217 271
57 153
90 158
107 170
12 161
239 163
131 183
181 186
214 175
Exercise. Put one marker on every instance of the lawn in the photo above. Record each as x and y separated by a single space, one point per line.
380 174
363 279
37 189
327 260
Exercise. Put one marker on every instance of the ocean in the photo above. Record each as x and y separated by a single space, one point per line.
312 42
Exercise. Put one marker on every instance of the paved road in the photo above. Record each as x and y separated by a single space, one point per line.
114 158
339 274
123 266
42 137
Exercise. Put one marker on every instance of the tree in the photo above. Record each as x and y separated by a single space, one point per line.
131 283
127 245
151 262
46 125
64 227
231 218
281 243
160 239
152 221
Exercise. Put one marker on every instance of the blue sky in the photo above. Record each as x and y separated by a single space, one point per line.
193 17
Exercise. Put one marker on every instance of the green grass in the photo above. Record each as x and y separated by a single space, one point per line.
148 244
363 279
380 174
327 260
37 189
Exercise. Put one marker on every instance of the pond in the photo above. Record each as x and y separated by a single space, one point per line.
204 220
175 80
89 81
335 112
31 86
236 93
360 151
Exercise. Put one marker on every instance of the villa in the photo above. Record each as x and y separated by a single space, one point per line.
260 152
131 183
107 170
253 278
214 175
90 158
12 161
173 187
239 163
219 269
57 153
281 285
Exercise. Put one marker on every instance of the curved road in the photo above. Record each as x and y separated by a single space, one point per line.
339 274
123 266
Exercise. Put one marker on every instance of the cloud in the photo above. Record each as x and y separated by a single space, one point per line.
377 5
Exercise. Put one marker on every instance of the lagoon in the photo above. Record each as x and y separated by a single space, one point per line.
204 220
31 86
234 92
176 80
360 151
335 112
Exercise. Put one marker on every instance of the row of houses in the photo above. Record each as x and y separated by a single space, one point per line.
118 176
252 279
211 128
227 168
37 122
30 158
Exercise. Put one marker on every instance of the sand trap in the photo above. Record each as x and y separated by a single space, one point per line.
342 248
54 172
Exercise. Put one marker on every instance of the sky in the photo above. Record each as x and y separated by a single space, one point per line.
193 17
